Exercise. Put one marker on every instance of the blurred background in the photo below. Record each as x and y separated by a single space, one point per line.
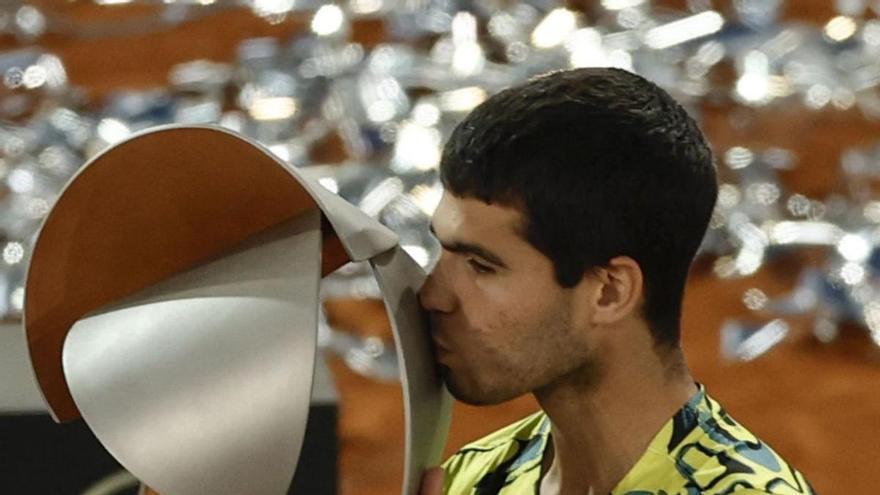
782 314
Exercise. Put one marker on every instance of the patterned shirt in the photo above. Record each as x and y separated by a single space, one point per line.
701 450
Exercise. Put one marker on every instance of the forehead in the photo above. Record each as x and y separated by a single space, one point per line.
473 219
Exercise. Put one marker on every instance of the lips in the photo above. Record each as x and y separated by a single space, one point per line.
441 350
440 347
438 344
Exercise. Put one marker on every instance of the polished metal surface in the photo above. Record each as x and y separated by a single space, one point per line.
201 384
18 389
428 405
361 236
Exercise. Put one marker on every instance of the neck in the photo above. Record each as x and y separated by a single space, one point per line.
602 425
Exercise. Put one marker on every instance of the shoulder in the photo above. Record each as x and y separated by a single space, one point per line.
702 449
721 454
498 456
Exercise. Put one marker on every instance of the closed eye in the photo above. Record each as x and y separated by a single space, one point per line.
470 249
480 267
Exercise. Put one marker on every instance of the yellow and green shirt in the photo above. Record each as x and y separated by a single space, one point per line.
701 450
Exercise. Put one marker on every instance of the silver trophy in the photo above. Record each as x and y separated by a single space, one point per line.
172 302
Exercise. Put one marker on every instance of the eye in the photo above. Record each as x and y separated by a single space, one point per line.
479 267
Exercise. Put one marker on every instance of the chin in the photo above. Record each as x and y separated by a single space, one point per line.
472 394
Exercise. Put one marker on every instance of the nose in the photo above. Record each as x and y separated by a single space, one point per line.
435 295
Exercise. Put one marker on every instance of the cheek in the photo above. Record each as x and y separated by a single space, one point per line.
513 302
516 349
503 321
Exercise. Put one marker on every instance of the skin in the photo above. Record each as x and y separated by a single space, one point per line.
502 327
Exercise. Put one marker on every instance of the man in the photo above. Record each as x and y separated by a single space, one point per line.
573 208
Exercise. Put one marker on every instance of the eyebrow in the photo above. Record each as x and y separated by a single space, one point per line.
468 248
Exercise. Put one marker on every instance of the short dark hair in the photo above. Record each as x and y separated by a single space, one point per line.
602 163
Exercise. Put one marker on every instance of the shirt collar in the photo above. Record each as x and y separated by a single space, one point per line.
676 430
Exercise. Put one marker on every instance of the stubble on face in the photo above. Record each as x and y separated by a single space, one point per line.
506 332
522 355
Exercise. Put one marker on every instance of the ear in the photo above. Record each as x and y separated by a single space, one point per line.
618 290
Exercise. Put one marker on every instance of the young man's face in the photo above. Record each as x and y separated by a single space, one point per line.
501 324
